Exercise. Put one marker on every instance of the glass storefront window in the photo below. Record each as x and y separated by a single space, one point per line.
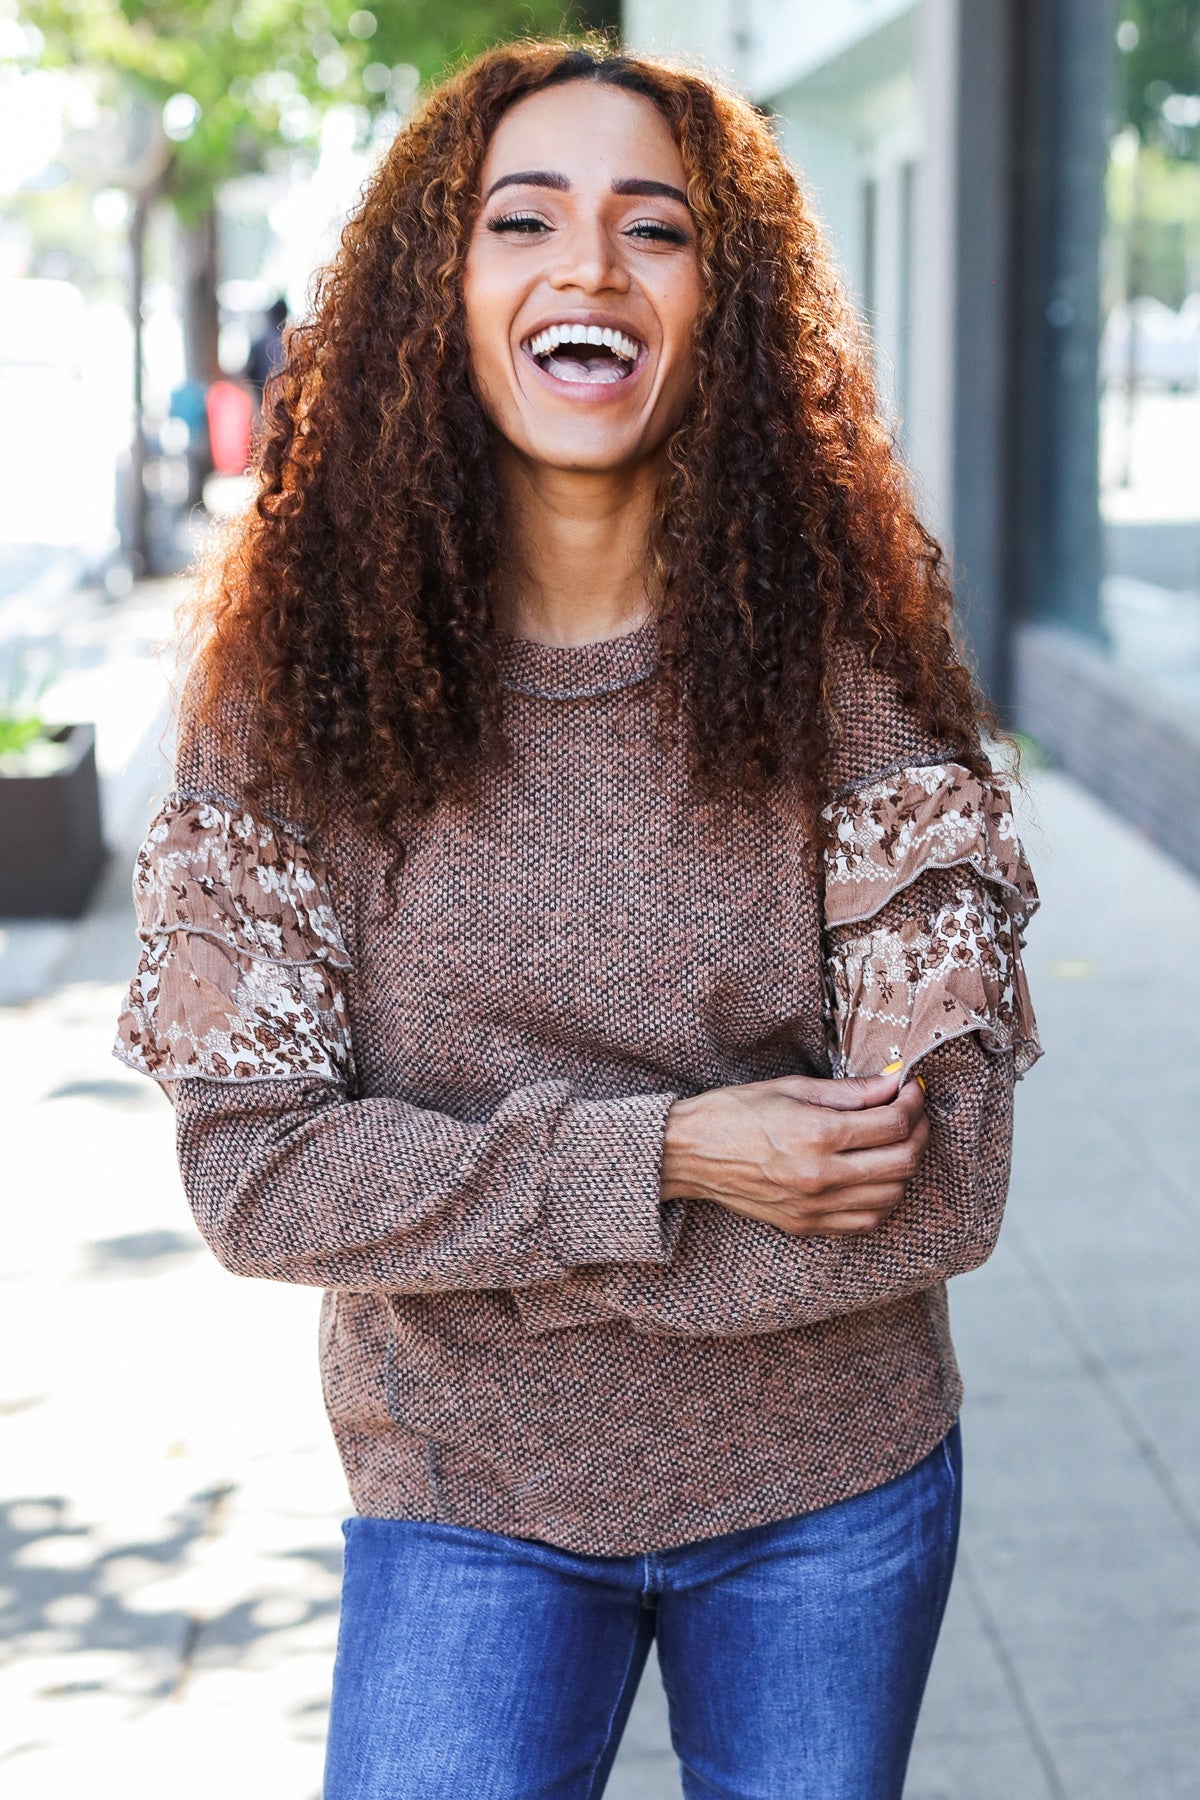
1150 351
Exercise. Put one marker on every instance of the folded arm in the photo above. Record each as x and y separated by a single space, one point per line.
735 1275
926 895
239 1009
294 1181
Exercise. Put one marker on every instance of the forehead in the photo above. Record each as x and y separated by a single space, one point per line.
585 129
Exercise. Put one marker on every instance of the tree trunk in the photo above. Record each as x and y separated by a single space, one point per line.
1134 271
201 315
201 329
139 526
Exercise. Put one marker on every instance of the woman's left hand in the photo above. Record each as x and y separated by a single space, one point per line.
810 1156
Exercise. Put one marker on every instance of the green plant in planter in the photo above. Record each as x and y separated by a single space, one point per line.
17 734
28 745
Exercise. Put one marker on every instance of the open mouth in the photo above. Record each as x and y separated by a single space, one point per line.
590 355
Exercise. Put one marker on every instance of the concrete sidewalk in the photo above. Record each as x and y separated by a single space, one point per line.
170 1497
1069 1666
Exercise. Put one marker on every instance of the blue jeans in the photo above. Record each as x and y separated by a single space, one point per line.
477 1667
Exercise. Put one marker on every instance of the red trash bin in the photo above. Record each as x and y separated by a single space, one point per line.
230 410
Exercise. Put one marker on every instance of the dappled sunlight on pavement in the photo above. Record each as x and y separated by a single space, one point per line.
171 1498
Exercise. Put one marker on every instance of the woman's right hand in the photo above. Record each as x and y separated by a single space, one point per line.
812 1157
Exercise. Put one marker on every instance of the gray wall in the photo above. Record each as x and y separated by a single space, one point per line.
1032 148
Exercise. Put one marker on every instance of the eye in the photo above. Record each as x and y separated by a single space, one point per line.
655 231
524 223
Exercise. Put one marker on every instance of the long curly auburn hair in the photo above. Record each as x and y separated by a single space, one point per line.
353 604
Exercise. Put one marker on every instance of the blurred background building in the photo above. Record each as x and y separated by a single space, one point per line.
1013 190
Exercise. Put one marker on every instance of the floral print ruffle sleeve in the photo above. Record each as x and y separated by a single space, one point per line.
243 963
927 894
239 1009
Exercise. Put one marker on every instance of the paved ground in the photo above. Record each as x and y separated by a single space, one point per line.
169 1497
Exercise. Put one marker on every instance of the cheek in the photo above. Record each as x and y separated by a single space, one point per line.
679 310
487 324
682 376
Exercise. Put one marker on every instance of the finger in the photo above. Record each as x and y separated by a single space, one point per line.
876 1126
849 1095
854 1212
844 1225
896 1068
875 1200
911 1098
871 1208
893 1162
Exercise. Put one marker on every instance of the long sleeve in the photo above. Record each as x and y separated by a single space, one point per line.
240 1009
297 1182
927 892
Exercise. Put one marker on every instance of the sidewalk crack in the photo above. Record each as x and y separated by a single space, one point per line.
216 1506
1094 1366
1012 1681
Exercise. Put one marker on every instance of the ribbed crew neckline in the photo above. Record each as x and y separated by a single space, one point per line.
575 671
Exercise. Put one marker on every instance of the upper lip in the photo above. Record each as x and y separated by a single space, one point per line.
576 316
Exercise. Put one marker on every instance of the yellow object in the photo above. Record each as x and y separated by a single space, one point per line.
893 1068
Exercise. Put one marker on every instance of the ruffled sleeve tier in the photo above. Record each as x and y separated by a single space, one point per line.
460 1136
243 965
240 1010
927 895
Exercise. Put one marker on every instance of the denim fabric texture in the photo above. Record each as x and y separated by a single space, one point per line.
472 1666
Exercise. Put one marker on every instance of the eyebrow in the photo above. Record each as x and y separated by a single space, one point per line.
548 178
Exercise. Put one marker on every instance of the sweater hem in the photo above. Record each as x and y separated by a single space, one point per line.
501 1512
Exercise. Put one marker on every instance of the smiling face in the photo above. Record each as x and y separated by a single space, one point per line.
582 282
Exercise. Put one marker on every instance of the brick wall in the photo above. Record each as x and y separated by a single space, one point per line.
1134 748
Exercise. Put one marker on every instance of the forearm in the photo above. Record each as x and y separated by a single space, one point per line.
736 1276
296 1182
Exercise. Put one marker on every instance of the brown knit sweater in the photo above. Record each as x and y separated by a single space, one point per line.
447 1106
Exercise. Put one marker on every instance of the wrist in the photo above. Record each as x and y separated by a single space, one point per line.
682 1137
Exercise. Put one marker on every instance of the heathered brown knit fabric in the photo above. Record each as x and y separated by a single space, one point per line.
446 1105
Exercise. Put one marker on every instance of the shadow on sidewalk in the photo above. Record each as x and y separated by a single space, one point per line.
65 1597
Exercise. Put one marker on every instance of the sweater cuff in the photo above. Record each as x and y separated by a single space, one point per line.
603 1195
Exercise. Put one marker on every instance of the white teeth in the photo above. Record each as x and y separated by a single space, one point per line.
626 348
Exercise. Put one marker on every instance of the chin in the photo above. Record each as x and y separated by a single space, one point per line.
583 455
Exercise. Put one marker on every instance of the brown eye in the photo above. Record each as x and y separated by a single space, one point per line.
527 223
655 231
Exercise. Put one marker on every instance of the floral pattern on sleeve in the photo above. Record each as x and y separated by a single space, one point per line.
905 977
242 973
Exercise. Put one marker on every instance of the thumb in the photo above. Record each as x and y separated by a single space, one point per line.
855 1092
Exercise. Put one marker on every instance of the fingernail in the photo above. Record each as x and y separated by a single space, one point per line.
894 1068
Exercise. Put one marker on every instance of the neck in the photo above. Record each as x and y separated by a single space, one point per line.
579 552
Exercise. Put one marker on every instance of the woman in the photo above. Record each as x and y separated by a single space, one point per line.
582 835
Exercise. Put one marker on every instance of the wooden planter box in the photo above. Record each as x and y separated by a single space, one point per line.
51 847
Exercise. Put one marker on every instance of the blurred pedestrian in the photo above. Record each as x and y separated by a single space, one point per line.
583 836
266 352
230 413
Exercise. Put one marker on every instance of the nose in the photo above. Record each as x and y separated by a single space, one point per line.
590 260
